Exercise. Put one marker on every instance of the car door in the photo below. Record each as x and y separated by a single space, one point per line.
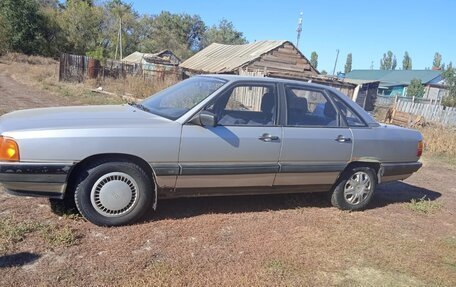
242 150
316 144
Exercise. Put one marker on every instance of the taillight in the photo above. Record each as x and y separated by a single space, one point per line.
419 150
9 150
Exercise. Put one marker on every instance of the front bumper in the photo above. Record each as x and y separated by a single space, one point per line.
35 179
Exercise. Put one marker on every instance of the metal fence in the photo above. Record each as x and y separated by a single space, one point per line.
431 112
77 68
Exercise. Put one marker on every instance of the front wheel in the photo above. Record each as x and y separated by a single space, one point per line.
355 189
113 193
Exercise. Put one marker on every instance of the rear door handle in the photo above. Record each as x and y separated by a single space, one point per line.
268 137
343 139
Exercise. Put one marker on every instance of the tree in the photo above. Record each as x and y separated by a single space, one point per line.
314 59
120 22
224 33
23 27
415 89
348 64
394 64
323 72
181 33
449 75
81 25
437 61
406 62
388 62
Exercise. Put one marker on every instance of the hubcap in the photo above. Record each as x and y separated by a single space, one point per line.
357 188
114 194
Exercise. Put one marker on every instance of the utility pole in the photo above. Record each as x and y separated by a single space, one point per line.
299 29
335 63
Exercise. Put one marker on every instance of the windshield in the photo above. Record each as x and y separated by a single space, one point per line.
176 100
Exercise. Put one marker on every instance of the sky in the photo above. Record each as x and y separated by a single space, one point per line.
367 29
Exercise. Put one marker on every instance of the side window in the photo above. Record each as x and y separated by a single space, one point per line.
247 105
351 118
309 108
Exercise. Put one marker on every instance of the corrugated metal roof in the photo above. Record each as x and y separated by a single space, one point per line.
395 76
220 58
138 57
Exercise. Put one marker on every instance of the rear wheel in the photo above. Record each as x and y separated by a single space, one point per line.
354 189
114 193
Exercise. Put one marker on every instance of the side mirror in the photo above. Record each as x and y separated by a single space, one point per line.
205 119
208 119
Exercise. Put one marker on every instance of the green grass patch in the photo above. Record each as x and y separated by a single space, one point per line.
12 233
59 236
424 206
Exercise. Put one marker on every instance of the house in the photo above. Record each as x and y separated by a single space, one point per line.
395 82
278 59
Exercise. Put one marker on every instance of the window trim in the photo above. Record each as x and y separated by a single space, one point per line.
232 86
333 95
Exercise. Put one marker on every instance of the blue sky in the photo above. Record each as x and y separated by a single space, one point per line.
365 28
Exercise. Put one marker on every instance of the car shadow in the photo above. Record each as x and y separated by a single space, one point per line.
386 194
400 192
18 259
189 207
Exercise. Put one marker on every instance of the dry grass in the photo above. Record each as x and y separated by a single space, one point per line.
32 60
42 73
439 140
135 86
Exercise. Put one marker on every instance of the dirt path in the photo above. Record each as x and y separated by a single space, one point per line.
17 96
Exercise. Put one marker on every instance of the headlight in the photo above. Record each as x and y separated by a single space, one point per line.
9 150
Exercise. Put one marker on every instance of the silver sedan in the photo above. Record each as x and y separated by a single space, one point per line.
205 136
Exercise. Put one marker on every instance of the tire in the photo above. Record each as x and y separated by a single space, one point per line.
113 193
355 189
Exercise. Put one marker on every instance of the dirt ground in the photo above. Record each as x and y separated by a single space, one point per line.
406 238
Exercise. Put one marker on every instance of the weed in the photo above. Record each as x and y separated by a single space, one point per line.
12 233
59 236
277 268
424 205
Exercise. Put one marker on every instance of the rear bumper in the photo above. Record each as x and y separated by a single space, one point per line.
35 179
399 171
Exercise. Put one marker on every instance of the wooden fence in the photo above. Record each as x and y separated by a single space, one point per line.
431 112
389 101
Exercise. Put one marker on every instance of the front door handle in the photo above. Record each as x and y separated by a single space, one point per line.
343 139
268 137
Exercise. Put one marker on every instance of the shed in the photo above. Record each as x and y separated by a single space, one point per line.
165 57
278 59
270 56
163 65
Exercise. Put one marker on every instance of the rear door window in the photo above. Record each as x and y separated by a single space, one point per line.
307 107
